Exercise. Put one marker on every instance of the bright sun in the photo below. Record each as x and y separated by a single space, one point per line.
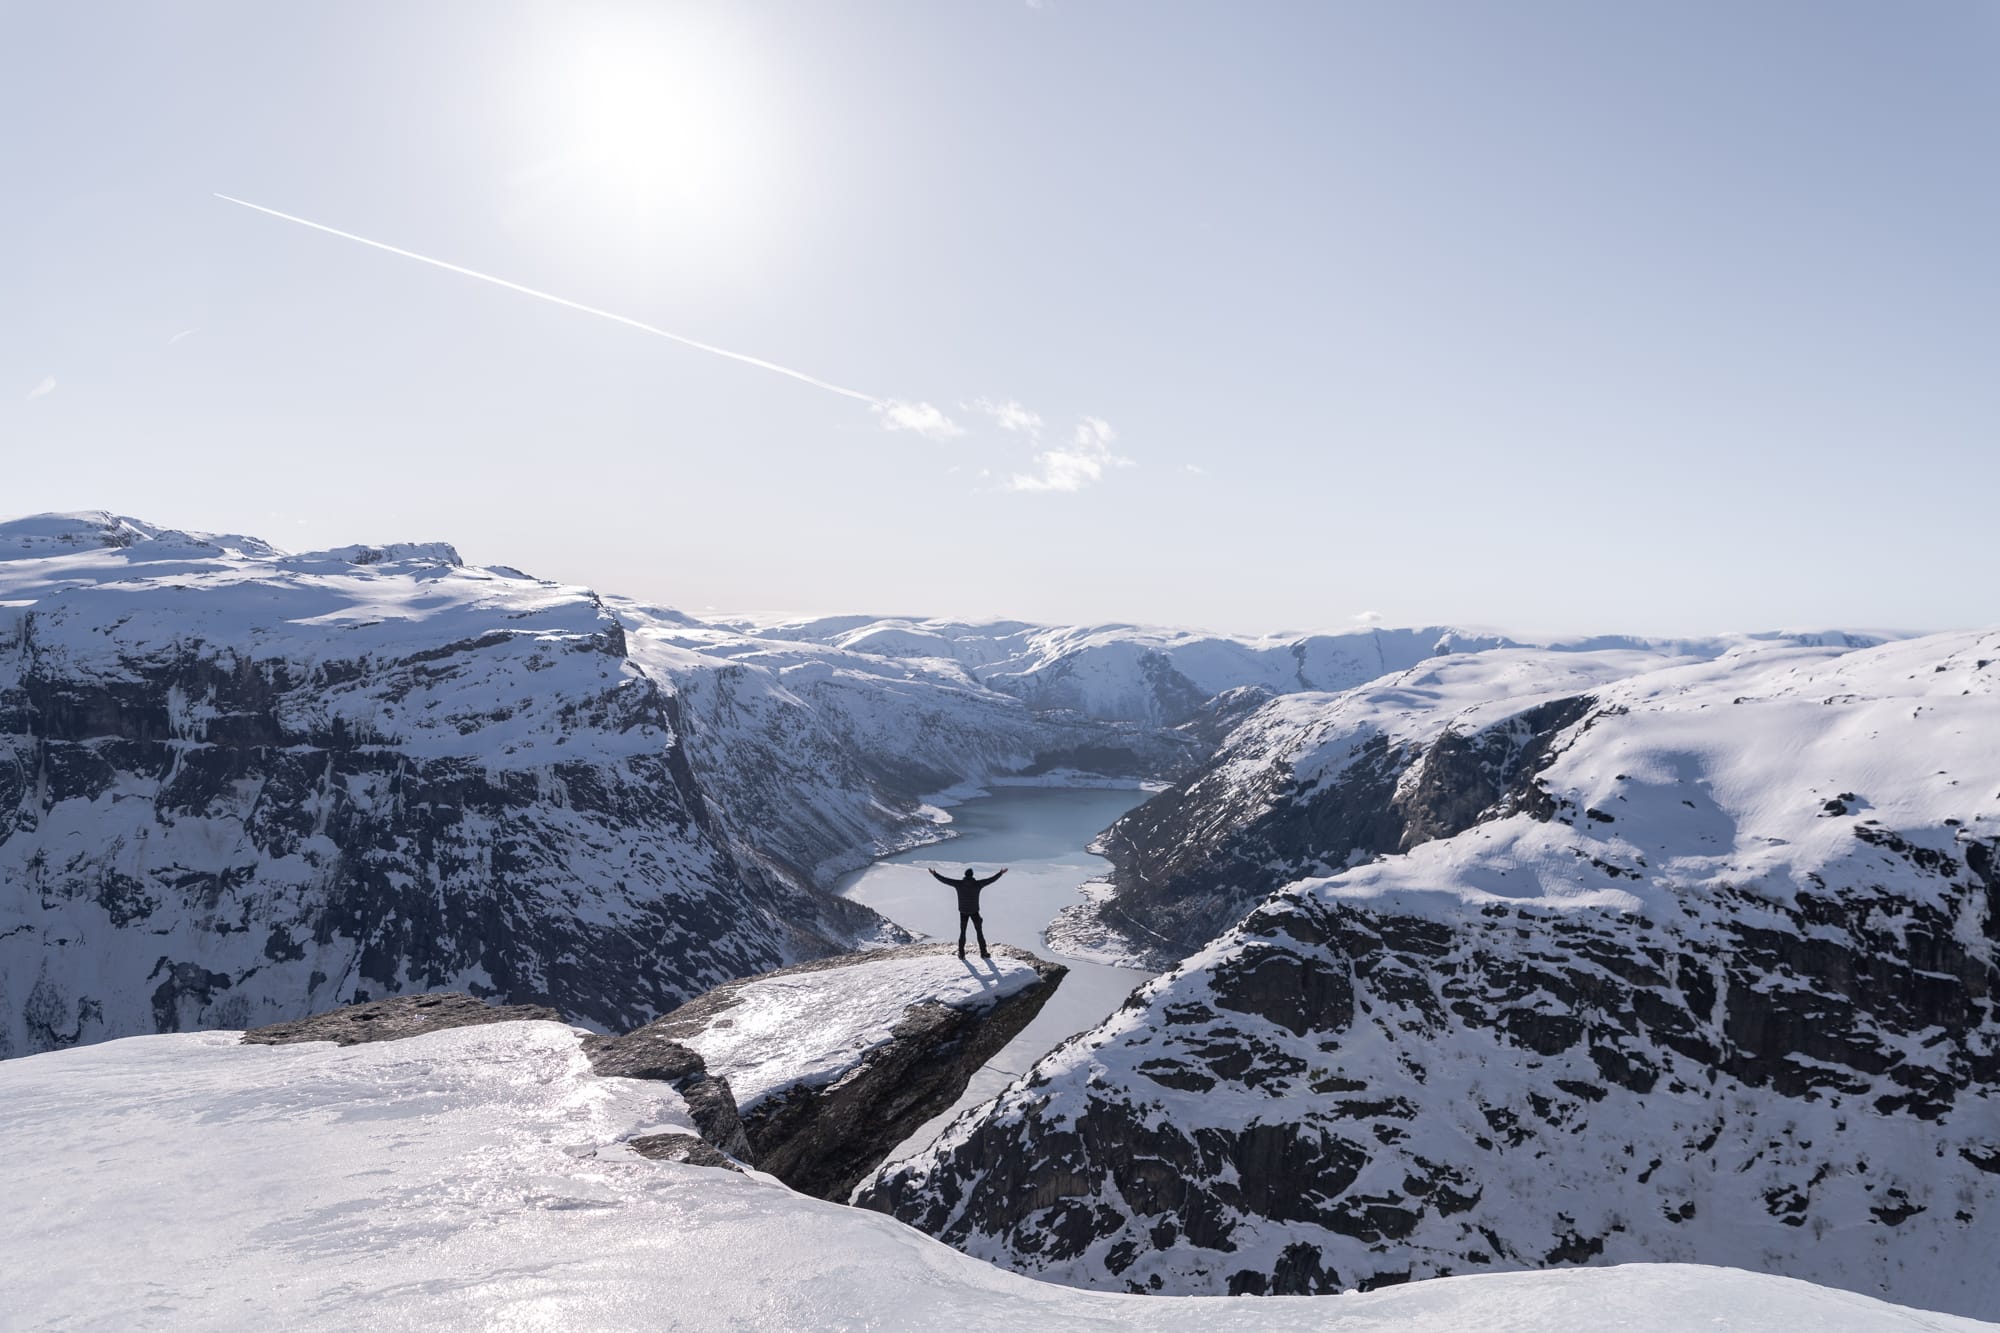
664 126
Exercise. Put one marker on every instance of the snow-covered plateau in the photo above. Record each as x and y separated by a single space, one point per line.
483 1177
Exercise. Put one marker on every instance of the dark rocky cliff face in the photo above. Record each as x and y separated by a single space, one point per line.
1337 1097
1191 861
268 851
1655 977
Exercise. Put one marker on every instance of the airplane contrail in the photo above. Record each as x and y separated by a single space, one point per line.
869 398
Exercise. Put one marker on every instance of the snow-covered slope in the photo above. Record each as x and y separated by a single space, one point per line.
1163 677
1695 963
1312 782
236 786
806 744
481 1178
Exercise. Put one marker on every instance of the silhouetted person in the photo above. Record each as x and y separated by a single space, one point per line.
968 905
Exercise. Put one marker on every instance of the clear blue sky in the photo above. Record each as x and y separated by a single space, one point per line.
1672 317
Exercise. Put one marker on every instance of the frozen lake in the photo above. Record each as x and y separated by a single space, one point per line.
1039 834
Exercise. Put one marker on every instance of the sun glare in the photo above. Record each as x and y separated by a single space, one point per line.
661 132
656 128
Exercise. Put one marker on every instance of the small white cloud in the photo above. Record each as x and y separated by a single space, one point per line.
184 333
1079 465
42 390
922 418
1195 468
1009 415
1368 617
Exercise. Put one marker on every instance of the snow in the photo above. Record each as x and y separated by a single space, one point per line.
1137 673
1715 775
191 653
188 1181
478 1178
1780 791
811 1027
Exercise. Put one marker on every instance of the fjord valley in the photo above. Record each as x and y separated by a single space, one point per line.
1454 952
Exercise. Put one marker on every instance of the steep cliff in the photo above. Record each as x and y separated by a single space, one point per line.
833 1063
1698 964
238 786
1312 783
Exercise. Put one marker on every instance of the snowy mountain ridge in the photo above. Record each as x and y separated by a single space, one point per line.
1163 676
1559 958
238 785
1515 956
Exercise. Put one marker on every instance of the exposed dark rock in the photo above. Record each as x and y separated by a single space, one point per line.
426 870
393 1019
1412 1080
1192 860
823 1140
680 1148
648 1053
640 1055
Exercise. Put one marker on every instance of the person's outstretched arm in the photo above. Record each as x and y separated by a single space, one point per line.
942 880
990 878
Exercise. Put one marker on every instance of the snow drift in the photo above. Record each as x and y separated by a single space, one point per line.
484 1177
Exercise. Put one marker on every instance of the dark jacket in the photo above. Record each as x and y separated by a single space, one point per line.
968 889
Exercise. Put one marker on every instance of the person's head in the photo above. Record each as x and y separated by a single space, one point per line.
968 874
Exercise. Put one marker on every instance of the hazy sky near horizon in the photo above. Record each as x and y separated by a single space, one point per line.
1561 316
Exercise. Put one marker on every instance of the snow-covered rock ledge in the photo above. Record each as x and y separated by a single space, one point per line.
834 1062
812 1073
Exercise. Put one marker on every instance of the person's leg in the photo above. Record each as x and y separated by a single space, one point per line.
979 924
962 919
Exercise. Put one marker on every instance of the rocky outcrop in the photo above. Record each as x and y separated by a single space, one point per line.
1311 785
394 1019
710 1106
836 1061
840 1058
650 1054
1706 972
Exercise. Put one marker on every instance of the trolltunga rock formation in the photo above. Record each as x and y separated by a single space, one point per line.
834 1062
